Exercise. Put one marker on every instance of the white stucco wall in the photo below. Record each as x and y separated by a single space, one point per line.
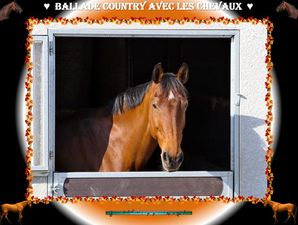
40 186
253 111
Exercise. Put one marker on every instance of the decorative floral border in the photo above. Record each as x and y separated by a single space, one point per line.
144 199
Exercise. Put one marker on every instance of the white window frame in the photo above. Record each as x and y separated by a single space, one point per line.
230 178
246 176
42 167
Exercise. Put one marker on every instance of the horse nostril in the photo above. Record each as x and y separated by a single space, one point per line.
180 157
165 156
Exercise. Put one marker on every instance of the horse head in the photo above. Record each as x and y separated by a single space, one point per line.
167 108
29 203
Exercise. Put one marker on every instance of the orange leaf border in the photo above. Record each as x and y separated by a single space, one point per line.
144 199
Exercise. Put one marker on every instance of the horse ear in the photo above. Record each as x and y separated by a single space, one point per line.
157 73
182 74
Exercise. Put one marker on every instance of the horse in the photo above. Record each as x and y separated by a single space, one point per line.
123 135
6 10
290 208
14 208
291 9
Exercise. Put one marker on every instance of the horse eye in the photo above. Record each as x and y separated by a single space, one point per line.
154 105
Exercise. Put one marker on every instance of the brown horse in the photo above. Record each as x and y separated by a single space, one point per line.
291 9
6 10
123 136
290 208
14 208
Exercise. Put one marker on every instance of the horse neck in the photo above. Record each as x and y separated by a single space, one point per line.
139 117
5 11
9 8
272 203
24 203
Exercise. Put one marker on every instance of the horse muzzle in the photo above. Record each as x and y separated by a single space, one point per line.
170 163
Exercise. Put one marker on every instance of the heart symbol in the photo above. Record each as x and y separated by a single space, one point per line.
46 5
250 5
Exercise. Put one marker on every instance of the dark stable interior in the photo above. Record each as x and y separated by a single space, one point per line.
91 71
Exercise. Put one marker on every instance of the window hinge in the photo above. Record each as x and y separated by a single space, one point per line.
51 48
51 154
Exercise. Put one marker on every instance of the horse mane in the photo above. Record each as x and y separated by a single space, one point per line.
130 98
134 96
